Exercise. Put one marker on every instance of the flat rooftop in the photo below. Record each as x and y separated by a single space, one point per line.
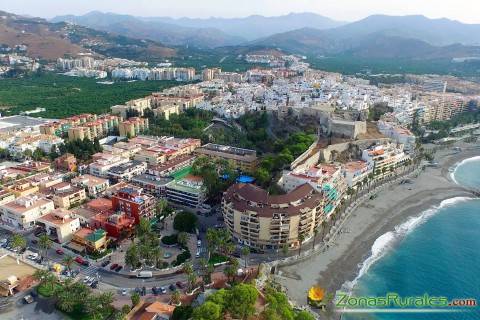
228 149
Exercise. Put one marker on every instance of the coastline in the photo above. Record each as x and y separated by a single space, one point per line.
393 207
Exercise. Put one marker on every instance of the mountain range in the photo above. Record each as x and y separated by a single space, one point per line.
376 36
46 40
202 33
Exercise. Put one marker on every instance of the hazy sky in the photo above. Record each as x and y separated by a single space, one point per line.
347 10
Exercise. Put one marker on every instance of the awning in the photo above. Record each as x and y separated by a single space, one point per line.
75 247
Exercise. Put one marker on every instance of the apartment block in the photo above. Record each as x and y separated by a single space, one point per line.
268 222
23 212
242 159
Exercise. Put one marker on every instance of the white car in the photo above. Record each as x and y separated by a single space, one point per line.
124 292
199 243
197 254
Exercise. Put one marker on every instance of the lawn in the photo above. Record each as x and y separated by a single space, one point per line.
217 258
64 96
46 291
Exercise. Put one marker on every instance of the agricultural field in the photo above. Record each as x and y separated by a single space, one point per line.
64 96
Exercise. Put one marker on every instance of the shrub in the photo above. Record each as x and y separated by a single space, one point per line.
170 240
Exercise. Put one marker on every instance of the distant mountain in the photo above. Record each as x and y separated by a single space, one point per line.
156 30
438 32
256 26
50 41
414 37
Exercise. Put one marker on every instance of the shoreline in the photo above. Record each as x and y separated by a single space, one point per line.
394 206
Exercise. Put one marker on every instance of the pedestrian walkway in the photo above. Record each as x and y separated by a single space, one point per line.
90 271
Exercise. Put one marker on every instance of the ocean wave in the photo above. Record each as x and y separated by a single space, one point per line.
388 240
458 164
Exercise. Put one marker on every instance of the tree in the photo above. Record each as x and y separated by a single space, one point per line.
18 242
182 313
175 297
207 311
230 273
160 206
241 300
46 278
45 244
68 261
126 309
71 294
182 238
245 254
135 299
143 228
304 315
285 249
185 221
301 238
132 257
38 154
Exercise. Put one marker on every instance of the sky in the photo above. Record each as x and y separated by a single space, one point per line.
345 10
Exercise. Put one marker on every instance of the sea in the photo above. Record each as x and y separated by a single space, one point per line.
436 253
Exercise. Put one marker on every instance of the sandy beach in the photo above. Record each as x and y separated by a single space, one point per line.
393 206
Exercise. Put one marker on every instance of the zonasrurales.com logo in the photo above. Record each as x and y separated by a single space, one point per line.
393 302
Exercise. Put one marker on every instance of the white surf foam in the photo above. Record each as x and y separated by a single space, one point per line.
458 164
387 241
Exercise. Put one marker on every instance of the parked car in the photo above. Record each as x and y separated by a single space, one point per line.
113 266
94 284
155 291
163 290
59 251
34 241
179 284
28 299
105 263
124 292
82 261
172 287
118 268
197 255
199 243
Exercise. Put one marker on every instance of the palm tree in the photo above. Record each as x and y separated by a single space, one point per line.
132 257
143 228
285 249
212 241
68 261
156 255
192 280
45 244
315 232
160 206
46 278
18 243
230 273
175 297
245 253
324 225
301 238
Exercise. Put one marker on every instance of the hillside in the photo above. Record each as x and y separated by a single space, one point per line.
413 37
50 41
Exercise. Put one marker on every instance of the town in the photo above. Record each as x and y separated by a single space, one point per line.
187 203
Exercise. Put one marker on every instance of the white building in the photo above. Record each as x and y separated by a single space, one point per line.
23 212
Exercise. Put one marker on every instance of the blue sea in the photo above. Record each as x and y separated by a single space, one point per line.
436 253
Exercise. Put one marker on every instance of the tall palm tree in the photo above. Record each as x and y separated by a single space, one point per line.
315 232
68 261
45 244
230 273
18 243
324 225
245 253
175 297
46 278
301 238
